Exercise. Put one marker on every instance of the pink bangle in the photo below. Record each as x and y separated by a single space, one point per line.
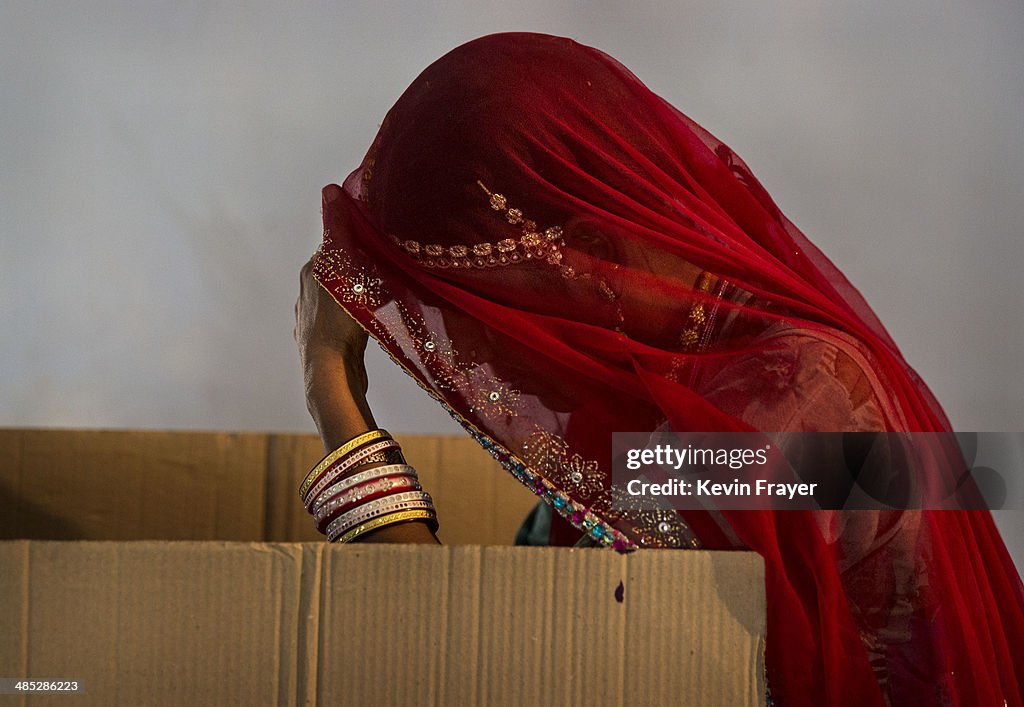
343 464
388 504
358 478
362 494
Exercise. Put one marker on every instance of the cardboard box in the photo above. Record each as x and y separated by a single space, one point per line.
209 621
151 485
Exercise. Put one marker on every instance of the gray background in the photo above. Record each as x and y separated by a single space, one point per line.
161 166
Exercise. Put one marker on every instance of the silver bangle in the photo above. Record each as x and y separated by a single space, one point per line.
356 516
401 484
381 513
355 479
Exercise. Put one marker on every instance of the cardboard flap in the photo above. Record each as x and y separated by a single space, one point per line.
274 623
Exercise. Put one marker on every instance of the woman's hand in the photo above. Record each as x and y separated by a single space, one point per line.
326 335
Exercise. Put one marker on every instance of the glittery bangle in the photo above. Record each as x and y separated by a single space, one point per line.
358 478
337 454
384 451
394 502
404 506
361 494
390 519
429 512
365 511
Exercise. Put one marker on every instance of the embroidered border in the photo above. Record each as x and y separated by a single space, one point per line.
532 245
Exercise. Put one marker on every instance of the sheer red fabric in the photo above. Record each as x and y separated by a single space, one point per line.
555 253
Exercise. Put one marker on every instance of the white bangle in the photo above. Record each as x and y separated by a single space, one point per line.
355 479
388 504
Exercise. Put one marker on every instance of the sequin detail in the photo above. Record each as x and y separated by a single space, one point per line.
653 527
550 455
490 396
530 246
362 286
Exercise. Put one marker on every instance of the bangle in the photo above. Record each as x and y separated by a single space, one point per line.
394 502
360 477
340 531
350 498
384 451
391 519
338 453
381 506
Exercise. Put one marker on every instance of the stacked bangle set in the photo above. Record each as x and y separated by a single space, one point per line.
349 493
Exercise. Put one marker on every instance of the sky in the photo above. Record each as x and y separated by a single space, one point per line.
161 167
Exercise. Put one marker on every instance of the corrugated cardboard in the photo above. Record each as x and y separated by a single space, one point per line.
202 621
216 623
150 485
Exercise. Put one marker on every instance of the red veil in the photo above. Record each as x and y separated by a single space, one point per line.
555 253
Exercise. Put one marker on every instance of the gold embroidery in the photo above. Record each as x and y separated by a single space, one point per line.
606 291
695 329
661 528
489 396
530 246
549 454
486 394
695 325
652 527
362 286
368 171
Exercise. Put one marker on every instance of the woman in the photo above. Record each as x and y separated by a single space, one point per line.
554 253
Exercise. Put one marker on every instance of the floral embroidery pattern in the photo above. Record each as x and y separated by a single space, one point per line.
431 348
653 527
362 286
489 396
549 454
660 528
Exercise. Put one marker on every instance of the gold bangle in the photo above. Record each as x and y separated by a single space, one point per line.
390 519
337 454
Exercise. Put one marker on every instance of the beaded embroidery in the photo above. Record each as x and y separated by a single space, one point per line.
549 454
362 286
532 245
490 396
653 527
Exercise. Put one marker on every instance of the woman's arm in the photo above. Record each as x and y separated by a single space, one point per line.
331 349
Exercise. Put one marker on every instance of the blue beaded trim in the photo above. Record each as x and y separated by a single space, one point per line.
576 513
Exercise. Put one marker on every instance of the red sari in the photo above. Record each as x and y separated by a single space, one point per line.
554 253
